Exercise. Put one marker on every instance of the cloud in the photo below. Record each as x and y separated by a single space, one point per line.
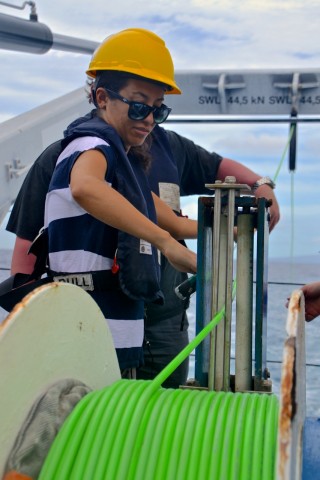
201 34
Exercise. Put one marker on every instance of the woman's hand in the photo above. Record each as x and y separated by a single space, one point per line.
179 256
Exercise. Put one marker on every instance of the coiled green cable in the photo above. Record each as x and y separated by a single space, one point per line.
136 430
66 457
130 431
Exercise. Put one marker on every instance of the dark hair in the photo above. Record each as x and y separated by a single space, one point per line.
115 80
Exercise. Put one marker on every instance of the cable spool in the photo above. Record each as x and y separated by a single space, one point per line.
134 430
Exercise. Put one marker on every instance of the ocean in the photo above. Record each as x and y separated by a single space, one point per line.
284 276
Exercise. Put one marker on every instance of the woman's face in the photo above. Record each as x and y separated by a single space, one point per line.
115 112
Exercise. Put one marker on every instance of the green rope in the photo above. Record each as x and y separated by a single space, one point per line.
292 215
132 431
284 153
169 369
292 190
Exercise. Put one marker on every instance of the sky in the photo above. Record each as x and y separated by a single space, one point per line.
200 34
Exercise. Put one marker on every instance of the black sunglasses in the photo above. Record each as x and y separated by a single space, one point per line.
140 111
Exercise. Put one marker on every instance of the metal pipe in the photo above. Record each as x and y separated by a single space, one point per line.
244 303
31 36
186 119
221 289
228 284
22 35
71 44
216 365
215 278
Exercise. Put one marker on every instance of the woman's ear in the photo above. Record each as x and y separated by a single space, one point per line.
101 97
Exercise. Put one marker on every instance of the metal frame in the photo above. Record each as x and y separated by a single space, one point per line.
217 217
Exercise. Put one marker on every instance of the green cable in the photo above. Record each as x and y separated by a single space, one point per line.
69 458
174 364
187 447
169 452
233 434
209 412
258 439
58 448
155 414
96 431
181 435
227 437
292 193
214 436
244 463
271 432
284 153
292 215
122 429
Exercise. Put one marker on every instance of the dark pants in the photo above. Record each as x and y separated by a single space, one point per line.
164 339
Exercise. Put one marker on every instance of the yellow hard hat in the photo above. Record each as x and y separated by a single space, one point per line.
136 51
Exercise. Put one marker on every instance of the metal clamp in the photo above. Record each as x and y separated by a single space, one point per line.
222 86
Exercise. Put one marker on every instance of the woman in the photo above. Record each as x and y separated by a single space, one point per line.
100 214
